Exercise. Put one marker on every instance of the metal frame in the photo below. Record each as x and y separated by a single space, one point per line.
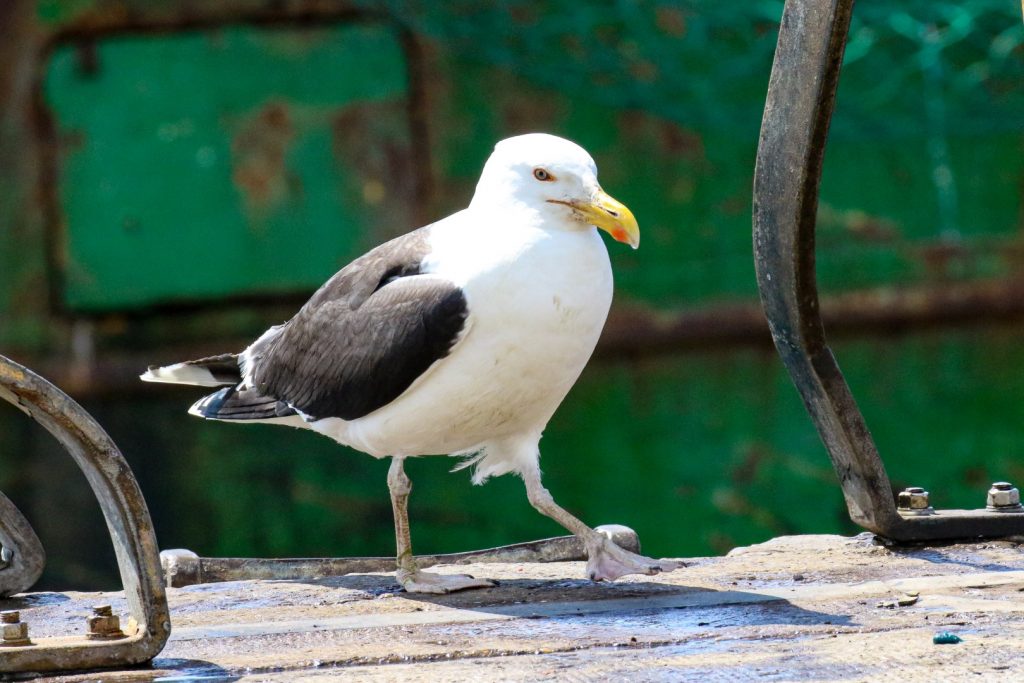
798 108
131 531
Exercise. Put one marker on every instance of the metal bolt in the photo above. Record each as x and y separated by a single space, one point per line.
914 500
103 624
1003 497
14 630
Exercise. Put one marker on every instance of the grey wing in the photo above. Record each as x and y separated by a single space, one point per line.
363 339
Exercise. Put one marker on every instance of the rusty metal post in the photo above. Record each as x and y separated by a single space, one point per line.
128 521
185 568
798 109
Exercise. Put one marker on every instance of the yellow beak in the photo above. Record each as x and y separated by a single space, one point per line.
612 216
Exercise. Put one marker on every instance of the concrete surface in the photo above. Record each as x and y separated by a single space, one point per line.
823 608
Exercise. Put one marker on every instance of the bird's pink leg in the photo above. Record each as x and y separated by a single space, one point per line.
412 579
606 561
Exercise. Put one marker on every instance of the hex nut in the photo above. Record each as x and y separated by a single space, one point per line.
13 631
103 624
913 498
1003 496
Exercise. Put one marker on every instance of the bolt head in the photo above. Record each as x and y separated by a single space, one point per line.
102 610
12 616
1003 495
913 498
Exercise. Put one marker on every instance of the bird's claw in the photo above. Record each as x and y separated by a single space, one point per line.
439 584
608 562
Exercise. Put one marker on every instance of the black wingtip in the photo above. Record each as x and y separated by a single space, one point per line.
212 405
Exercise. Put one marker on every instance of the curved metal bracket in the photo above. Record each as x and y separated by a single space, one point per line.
127 517
22 557
798 109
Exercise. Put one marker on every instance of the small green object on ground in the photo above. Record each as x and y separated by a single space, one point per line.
946 638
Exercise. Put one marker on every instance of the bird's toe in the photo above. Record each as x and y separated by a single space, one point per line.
609 562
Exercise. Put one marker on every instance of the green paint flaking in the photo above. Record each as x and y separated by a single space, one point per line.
222 165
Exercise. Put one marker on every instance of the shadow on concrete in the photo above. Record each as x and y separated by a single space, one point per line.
592 602
951 553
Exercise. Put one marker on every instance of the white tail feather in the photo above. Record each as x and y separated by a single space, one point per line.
182 373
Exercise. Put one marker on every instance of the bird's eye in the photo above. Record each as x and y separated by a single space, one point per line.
542 175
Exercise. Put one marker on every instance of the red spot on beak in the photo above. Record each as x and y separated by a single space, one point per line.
620 235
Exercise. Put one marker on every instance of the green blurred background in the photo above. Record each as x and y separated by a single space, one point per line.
176 177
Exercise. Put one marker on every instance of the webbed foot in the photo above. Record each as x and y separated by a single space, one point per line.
608 562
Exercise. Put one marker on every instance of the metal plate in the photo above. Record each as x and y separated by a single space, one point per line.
236 153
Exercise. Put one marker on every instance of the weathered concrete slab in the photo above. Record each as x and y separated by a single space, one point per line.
795 608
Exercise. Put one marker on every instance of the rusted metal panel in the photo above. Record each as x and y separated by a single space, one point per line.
636 331
233 171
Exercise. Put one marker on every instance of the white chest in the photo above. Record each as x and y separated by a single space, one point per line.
537 304
529 287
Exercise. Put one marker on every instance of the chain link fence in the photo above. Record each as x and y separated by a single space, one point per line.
912 66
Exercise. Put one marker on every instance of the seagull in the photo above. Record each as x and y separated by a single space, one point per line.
459 338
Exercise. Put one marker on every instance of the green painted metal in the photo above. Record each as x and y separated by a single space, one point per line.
217 154
697 451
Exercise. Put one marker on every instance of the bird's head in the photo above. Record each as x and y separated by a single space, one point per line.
556 179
